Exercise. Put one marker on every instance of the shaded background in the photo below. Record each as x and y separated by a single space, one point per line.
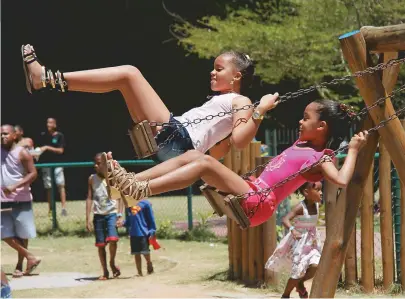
79 35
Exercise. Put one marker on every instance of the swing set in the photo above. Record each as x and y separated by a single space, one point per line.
375 84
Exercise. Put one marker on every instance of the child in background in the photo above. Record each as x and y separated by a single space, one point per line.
104 220
5 287
300 249
142 227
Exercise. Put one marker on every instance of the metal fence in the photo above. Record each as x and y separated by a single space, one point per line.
177 211
168 207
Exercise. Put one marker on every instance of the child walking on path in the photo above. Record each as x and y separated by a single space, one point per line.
300 249
104 220
142 227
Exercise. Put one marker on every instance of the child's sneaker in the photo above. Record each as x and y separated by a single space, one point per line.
5 291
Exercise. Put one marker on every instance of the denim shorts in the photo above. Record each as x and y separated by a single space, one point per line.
19 222
179 144
140 245
105 229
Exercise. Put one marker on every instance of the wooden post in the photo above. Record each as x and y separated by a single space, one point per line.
390 76
387 248
270 244
384 39
236 231
351 260
228 163
245 166
255 237
269 240
342 224
329 201
371 88
402 236
367 235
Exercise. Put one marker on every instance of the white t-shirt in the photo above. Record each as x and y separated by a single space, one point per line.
209 132
103 205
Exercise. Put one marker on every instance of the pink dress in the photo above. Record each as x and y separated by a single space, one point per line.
298 255
290 161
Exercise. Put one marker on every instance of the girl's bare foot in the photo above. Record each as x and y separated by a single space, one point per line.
34 68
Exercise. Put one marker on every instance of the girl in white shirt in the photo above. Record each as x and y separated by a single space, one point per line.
232 73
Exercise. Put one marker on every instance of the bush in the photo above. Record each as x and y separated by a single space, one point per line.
166 231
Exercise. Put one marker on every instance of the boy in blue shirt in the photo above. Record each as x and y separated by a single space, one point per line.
141 224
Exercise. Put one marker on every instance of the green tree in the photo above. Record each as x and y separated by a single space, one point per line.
293 40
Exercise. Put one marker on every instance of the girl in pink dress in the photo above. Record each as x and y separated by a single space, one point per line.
300 249
323 127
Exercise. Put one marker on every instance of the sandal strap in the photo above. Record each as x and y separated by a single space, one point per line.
52 80
126 182
30 58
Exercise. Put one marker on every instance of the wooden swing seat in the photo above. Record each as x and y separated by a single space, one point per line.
143 140
227 204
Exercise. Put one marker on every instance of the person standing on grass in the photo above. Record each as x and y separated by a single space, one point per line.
52 148
17 221
104 220
142 227
300 249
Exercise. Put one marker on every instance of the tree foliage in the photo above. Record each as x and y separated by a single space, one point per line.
290 39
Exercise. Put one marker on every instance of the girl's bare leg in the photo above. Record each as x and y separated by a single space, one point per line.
142 101
169 165
208 169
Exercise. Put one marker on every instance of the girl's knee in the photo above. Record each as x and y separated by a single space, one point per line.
206 161
129 72
192 155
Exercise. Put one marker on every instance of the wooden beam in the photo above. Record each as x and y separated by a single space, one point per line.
351 260
387 244
245 167
367 234
390 76
371 88
255 233
384 39
228 163
236 231
342 224
402 236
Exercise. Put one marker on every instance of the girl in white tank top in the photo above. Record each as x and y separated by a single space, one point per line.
232 73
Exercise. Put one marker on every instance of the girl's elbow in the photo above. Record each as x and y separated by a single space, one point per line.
342 183
239 144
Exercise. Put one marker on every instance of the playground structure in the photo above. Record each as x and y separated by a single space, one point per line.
250 248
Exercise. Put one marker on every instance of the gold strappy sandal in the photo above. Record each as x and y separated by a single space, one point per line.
50 80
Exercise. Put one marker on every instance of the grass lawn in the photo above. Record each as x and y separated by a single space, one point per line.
182 269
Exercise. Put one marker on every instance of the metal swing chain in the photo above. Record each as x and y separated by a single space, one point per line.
360 114
265 192
283 98
367 71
